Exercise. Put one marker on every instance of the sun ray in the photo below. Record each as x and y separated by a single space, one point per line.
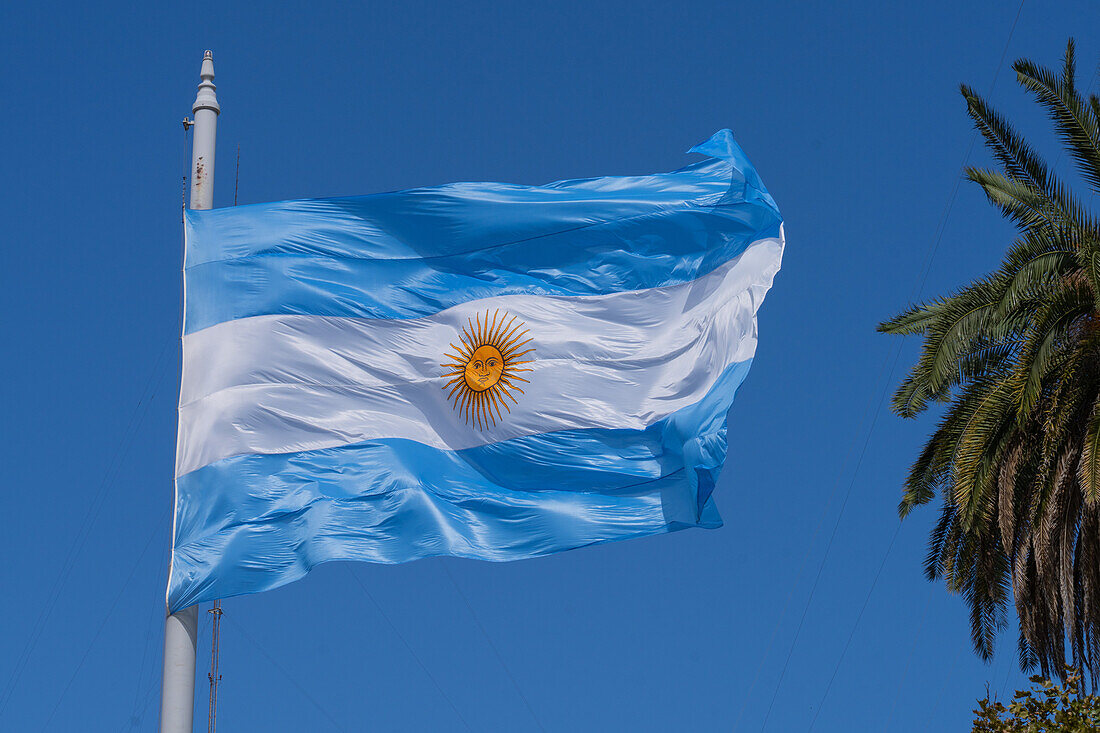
459 354
466 402
481 422
485 412
510 348
511 333
509 388
515 344
513 329
507 328
481 369
503 403
507 339
507 392
498 328
493 397
514 365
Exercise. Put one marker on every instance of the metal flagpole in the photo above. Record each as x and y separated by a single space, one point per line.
177 700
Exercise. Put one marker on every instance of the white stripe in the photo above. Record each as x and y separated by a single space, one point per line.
281 384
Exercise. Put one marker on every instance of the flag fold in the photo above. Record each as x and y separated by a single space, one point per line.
480 370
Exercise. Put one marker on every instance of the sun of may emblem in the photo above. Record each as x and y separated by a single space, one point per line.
485 365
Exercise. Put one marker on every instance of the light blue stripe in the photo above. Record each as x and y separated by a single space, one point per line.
255 522
414 253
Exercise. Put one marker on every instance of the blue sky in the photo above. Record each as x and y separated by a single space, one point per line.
851 113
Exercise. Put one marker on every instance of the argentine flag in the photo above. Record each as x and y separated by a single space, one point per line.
481 370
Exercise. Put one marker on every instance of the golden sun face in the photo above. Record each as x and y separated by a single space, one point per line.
484 367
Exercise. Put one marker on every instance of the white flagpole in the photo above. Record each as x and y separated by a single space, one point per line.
177 701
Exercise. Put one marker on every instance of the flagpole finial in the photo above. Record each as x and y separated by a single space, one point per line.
206 98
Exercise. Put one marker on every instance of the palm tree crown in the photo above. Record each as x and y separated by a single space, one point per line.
1016 356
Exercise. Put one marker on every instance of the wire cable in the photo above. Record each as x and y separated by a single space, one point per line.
951 201
926 268
798 577
852 633
492 646
943 688
909 658
141 676
408 647
106 618
91 517
276 665
151 685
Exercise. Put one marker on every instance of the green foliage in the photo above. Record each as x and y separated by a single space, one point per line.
1015 356
1045 708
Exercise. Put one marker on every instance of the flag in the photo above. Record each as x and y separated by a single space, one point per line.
478 370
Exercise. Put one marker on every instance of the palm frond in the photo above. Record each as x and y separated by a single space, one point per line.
1076 122
1015 356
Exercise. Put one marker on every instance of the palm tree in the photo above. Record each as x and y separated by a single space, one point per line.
1016 357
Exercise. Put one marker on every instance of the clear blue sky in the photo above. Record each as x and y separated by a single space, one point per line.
851 113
